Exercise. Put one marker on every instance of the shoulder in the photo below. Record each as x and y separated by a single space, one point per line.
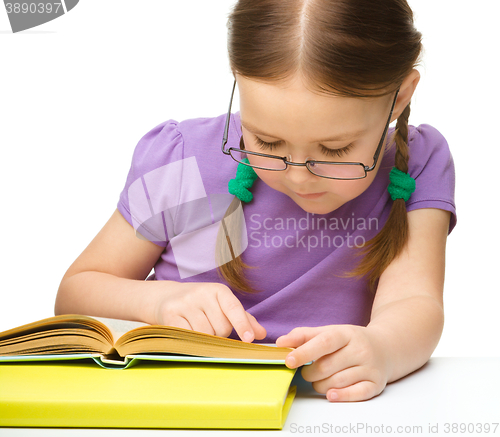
171 141
203 130
431 165
428 147
160 145
177 162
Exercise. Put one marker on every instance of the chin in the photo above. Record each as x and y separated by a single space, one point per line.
317 208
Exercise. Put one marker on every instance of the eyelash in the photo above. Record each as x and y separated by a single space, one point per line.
267 146
338 153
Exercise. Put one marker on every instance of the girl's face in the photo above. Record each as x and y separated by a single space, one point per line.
287 119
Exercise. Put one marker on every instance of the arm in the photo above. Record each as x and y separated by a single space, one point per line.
407 312
355 363
107 280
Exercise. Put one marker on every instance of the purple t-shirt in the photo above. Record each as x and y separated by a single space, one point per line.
179 176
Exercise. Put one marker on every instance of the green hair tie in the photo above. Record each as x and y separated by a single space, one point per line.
245 177
402 185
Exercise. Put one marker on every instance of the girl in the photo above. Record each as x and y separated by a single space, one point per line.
329 229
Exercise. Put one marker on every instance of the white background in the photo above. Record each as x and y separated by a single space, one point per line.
77 93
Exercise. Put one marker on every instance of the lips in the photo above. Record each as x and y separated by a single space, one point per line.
311 195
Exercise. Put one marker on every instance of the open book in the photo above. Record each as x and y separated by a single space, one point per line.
117 343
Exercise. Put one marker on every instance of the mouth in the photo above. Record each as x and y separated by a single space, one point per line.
311 196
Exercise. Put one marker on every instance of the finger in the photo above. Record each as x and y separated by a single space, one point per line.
361 391
200 323
258 329
324 343
180 322
237 316
341 379
330 365
221 325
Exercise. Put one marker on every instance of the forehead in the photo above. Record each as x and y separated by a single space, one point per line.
277 108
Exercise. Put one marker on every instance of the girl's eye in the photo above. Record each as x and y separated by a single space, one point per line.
268 146
338 153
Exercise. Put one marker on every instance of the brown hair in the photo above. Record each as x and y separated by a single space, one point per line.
353 48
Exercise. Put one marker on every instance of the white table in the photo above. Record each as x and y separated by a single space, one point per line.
436 400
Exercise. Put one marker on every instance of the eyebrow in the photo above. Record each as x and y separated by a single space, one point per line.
341 137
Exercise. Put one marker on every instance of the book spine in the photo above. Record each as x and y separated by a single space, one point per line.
129 414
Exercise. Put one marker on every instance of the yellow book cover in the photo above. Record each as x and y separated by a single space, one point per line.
149 395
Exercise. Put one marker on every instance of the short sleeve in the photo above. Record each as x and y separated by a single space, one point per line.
431 165
161 146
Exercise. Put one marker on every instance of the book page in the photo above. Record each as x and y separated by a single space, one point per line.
119 327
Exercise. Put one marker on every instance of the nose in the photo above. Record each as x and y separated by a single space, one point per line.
298 175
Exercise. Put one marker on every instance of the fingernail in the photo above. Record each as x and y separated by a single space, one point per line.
248 337
290 362
333 396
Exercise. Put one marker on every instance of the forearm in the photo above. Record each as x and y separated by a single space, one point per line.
408 330
105 295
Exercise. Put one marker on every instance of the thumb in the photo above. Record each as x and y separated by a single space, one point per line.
298 336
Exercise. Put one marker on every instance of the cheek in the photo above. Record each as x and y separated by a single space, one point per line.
271 178
351 189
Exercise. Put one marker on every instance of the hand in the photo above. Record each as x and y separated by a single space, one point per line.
211 308
350 363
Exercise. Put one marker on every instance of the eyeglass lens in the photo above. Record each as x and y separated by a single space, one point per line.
259 161
338 171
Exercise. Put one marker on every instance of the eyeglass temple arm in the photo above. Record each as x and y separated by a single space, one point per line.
226 127
379 148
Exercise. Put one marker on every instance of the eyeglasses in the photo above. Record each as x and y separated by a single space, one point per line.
324 169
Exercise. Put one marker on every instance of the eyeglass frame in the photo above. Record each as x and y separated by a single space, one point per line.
305 164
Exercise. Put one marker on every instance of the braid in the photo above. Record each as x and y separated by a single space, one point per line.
231 267
401 137
381 250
